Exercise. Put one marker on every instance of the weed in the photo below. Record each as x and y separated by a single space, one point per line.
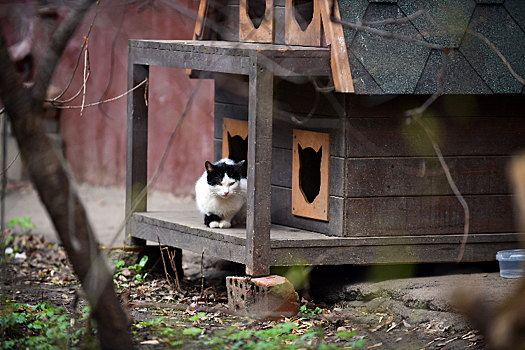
138 278
310 312
41 326
24 224
285 336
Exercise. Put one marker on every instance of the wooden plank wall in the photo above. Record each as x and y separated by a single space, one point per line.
395 184
385 177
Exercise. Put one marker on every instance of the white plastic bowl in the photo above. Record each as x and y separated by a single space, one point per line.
511 263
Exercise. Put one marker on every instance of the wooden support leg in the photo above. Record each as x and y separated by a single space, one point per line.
137 143
259 167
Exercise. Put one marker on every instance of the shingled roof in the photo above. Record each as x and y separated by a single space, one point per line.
385 65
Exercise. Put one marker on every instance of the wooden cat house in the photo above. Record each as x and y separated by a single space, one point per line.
343 175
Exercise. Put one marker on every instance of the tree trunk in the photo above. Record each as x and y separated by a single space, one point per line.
55 187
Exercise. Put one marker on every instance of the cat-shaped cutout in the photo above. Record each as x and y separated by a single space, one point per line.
310 172
237 147
220 193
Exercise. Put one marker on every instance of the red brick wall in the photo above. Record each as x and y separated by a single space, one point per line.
95 143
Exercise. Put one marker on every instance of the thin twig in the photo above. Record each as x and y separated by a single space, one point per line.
165 269
6 169
392 20
416 115
174 133
86 73
145 81
503 59
112 60
202 274
174 266
78 59
388 35
318 91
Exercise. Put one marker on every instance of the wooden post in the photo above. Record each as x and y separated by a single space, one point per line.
259 166
137 142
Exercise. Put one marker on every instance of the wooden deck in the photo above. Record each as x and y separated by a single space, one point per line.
291 246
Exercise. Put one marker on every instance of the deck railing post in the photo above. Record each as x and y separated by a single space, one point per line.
137 143
259 166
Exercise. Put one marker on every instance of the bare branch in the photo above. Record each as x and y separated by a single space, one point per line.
388 35
416 115
394 21
56 47
77 63
145 81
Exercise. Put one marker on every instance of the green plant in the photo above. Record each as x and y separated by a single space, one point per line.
282 336
138 277
356 344
24 224
198 316
41 326
310 312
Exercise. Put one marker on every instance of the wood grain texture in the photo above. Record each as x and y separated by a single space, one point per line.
432 215
424 176
318 208
335 38
282 171
292 246
247 31
231 57
282 214
294 35
137 142
259 201
456 136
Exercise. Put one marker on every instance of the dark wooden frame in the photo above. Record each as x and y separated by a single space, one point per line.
258 61
261 245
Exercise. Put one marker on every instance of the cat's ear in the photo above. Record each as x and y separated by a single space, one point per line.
320 152
241 168
209 167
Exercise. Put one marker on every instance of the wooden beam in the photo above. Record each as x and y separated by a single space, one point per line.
259 199
335 38
137 142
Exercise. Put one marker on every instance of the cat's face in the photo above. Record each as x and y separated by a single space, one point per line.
224 178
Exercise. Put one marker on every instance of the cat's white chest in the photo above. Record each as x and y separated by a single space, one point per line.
224 200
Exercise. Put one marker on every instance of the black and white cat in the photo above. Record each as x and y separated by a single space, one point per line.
221 193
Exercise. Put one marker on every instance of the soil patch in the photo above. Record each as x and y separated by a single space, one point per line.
37 271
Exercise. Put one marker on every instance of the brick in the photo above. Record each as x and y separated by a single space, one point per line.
263 297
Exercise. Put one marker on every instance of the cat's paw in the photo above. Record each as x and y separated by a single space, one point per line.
214 224
225 224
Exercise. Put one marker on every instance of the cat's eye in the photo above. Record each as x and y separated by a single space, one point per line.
219 183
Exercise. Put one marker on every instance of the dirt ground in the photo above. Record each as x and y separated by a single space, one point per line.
44 275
